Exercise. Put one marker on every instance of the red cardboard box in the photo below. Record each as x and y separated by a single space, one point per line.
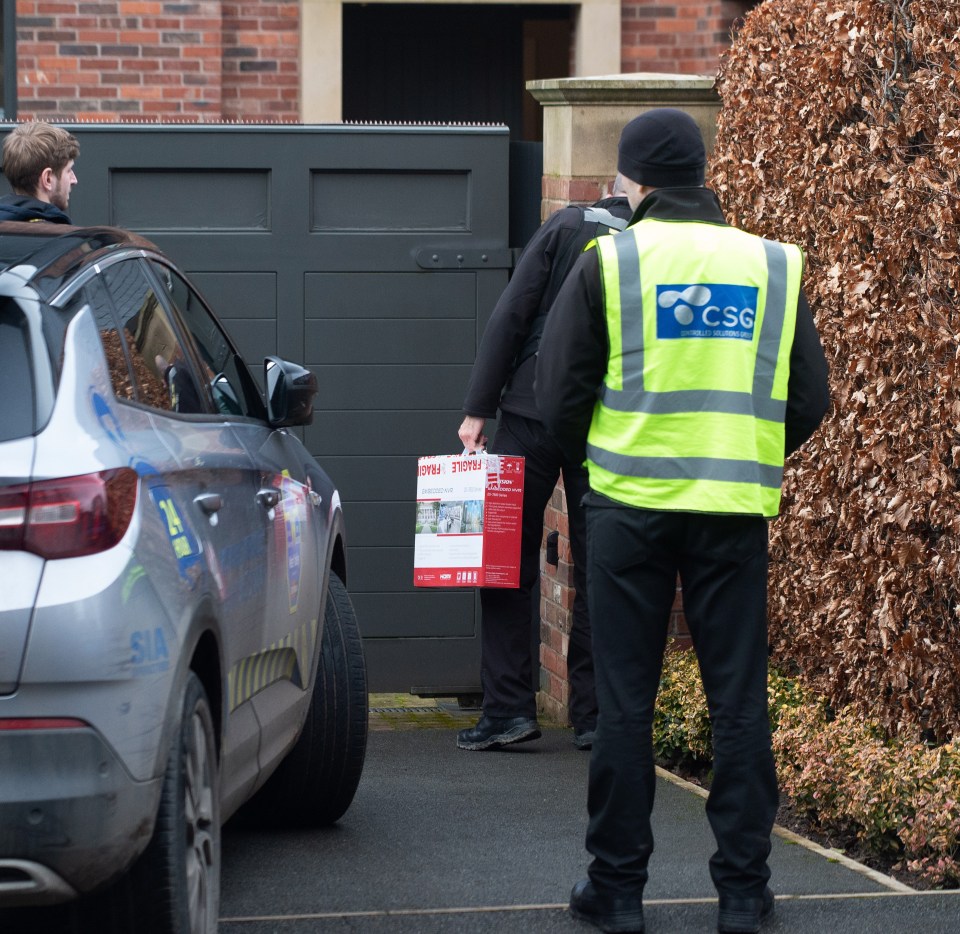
469 512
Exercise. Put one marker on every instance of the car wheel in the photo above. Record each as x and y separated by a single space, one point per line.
174 887
316 782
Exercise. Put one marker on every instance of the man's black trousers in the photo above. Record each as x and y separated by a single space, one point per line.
634 557
507 652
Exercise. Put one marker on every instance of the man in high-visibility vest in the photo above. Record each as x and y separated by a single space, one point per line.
681 362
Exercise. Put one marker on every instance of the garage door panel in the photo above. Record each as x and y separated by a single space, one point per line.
187 199
391 295
372 254
430 385
235 295
381 524
381 569
254 339
397 665
386 616
396 252
380 479
370 433
371 341
205 251
381 199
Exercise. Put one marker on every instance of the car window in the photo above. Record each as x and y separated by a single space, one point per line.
16 374
230 381
163 373
113 345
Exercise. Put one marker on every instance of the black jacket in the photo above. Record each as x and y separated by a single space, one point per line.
573 354
502 375
25 208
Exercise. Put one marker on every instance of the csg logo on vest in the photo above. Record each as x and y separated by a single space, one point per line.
708 310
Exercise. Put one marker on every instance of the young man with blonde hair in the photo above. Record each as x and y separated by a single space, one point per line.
38 161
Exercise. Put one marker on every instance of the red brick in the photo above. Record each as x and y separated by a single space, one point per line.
565 573
559 641
677 25
46 92
140 64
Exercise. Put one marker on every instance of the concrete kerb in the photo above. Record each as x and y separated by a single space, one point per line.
835 856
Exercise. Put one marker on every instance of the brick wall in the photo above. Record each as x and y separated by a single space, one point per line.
681 37
210 60
556 613
558 191
261 60
198 61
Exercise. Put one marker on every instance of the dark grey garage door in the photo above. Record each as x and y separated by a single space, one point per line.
373 254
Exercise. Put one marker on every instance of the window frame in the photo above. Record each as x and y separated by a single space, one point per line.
252 399
182 337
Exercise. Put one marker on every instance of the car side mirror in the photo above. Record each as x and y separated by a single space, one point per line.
290 392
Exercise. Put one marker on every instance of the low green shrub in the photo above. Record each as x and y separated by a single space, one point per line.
900 800
681 726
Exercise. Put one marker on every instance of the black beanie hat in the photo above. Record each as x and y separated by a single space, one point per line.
663 148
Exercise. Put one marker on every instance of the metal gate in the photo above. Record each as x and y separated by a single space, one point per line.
374 255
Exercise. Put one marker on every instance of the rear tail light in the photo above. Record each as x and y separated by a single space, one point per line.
70 516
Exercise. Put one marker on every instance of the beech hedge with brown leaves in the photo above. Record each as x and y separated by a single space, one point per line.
839 130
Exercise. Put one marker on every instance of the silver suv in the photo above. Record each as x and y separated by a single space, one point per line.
176 638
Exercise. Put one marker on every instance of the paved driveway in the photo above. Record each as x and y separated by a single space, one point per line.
439 840
442 841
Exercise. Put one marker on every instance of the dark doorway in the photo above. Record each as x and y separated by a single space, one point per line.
452 63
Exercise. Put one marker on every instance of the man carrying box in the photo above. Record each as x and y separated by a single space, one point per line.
502 378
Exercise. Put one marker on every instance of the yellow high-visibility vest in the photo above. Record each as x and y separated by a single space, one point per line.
701 320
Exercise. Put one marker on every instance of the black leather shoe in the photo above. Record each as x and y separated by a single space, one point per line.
744 915
583 739
618 914
493 732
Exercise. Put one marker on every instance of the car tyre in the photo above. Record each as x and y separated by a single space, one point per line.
174 887
316 782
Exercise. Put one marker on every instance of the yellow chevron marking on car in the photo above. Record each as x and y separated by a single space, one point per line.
286 660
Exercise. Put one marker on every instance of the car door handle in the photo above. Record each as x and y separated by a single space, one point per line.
209 502
268 498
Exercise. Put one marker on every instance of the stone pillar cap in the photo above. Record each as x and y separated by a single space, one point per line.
638 89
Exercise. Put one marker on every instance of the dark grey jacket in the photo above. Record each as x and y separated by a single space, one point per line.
502 375
25 208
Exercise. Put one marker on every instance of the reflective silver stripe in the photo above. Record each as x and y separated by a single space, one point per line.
603 216
774 313
686 468
722 401
631 325
633 397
